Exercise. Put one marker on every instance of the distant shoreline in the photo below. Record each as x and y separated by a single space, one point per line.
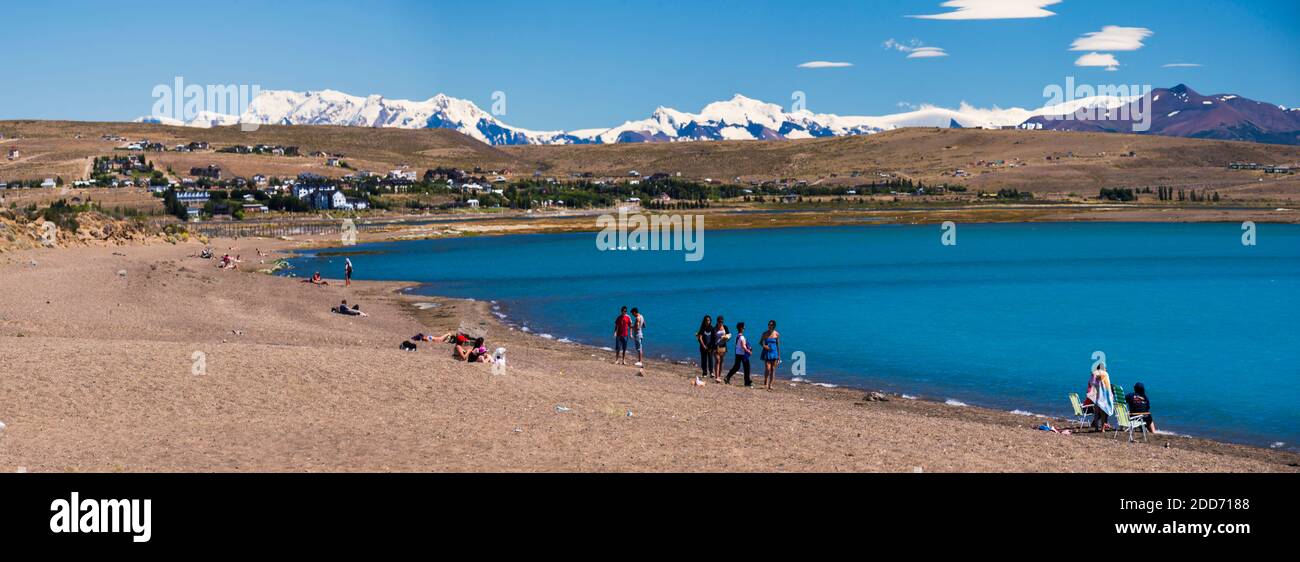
395 228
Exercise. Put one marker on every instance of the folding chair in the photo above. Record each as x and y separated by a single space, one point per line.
1129 422
1080 416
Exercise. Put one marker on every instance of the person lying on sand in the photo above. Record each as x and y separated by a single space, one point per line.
316 279
452 337
344 310
449 337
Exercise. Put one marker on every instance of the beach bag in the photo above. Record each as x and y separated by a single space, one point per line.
408 346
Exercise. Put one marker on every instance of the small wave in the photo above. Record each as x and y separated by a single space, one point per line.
525 329
546 336
607 349
907 397
1170 433
500 315
564 340
825 385
952 402
1023 413
1277 445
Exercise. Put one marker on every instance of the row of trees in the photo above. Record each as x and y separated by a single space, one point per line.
1162 193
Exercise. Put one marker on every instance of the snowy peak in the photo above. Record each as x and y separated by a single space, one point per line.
744 118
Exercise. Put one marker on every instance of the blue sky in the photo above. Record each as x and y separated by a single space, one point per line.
572 64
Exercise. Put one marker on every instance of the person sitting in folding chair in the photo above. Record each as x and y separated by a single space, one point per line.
1139 405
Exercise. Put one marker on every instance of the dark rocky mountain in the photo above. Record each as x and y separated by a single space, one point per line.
1182 112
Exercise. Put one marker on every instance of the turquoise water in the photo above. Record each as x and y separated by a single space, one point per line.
1007 318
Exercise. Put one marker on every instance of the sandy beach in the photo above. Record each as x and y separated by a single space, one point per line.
98 349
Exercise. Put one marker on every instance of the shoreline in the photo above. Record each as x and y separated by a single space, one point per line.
812 380
385 228
860 396
1022 410
290 387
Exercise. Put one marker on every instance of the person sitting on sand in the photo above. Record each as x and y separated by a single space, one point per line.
461 351
354 311
1138 404
316 279
480 353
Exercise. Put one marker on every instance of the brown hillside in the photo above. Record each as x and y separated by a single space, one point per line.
1038 161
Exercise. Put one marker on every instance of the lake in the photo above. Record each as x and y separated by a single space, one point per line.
1007 318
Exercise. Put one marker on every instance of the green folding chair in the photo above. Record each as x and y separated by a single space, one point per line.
1129 422
1080 417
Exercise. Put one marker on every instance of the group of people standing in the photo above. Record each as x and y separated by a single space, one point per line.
713 339
629 327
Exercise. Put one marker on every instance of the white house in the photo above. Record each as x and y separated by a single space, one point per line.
330 199
14 154
49 182
191 198
303 191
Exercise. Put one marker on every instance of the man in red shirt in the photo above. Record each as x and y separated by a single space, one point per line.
622 327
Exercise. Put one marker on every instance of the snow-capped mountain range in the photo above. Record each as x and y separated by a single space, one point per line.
739 118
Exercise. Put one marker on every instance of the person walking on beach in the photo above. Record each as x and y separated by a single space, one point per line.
743 351
720 338
622 327
347 272
638 334
705 337
771 341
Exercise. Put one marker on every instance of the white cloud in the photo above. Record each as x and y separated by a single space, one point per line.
1112 38
1106 60
915 49
1183 65
825 64
927 53
993 10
